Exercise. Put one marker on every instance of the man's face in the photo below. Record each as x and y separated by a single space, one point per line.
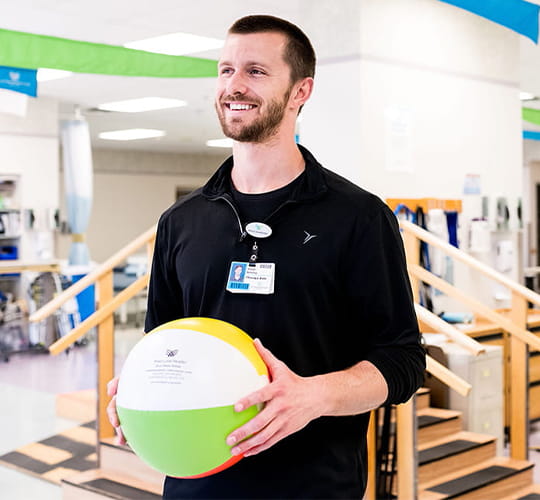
237 272
253 86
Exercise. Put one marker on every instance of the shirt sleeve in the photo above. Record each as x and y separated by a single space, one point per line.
164 291
381 291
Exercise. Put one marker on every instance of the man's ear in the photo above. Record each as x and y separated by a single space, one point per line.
301 92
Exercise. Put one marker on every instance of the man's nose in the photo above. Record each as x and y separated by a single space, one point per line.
236 84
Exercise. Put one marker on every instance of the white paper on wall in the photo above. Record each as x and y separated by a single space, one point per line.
13 103
397 139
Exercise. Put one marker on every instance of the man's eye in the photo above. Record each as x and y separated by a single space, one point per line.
256 72
225 71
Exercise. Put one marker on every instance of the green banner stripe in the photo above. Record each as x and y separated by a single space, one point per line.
25 50
531 115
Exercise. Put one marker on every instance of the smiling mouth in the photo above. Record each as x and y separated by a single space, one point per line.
235 106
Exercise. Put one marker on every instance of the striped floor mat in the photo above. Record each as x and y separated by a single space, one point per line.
57 457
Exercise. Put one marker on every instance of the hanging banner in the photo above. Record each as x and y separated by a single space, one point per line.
518 15
25 50
19 80
531 115
531 135
77 163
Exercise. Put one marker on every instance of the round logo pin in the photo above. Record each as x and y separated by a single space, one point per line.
258 230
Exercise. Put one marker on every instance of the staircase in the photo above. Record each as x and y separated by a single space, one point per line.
453 463
122 476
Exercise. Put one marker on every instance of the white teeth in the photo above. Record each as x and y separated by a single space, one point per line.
239 107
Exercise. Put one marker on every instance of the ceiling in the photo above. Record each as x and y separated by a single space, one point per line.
117 22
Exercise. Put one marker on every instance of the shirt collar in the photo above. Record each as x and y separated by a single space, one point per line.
312 186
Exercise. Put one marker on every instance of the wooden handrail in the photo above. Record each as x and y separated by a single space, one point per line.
450 331
119 257
447 377
95 318
521 333
470 261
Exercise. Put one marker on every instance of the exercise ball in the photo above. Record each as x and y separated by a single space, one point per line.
177 391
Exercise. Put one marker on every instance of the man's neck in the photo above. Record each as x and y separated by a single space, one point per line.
260 168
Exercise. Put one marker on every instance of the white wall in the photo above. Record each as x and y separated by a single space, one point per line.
531 161
452 76
131 190
29 148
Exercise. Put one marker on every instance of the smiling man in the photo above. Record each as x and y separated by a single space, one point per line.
330 301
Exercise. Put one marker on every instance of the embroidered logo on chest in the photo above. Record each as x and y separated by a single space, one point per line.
308 237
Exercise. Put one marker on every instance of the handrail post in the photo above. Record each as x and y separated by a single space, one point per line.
519 383
412 253
105 356
371 487
407 458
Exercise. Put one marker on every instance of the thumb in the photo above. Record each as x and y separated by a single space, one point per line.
269 359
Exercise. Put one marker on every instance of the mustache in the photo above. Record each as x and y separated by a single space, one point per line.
240 98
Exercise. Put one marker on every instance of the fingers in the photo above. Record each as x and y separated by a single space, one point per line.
112 386
253 426
111 413
115 422
120 439
260 441
258 397
275 366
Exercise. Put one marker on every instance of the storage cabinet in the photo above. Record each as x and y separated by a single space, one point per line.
483 408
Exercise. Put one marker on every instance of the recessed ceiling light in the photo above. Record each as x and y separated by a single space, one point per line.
220 143
47 74
131 134
142 104
176 44
526 96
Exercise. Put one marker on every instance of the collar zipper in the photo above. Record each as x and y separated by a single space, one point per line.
243 233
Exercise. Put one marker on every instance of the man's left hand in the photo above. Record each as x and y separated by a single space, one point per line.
290 403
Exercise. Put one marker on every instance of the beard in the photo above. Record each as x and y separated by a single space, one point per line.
262 128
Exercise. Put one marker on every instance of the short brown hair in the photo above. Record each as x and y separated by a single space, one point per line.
299 53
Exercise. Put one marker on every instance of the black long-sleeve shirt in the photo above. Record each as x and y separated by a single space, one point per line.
340 297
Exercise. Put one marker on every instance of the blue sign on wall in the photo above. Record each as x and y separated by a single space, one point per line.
19 80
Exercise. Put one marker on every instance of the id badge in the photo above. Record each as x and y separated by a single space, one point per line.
245 277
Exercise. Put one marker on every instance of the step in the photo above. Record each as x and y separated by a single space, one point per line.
422 398
435 423
78 405
492 479
449 453
532 492
98 484
120 459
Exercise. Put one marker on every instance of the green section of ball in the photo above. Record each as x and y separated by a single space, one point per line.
182 443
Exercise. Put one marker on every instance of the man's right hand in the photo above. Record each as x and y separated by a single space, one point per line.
112 387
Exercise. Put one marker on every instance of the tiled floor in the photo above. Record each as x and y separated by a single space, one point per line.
28 387
29 384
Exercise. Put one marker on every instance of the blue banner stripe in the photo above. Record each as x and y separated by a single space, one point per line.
19 80
518 15
533 136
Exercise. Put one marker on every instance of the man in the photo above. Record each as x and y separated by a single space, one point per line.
333 304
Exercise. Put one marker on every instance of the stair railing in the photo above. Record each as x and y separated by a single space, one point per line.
518 340
406 425
102 318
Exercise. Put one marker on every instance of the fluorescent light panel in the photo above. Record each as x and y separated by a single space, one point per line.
220 143
176 44
131 134
142 104
526 96
47 74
